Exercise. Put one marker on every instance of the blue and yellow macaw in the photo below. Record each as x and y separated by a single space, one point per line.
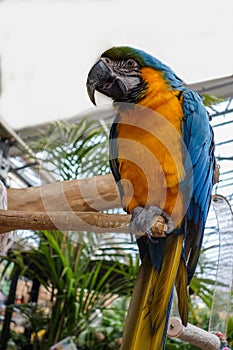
162 158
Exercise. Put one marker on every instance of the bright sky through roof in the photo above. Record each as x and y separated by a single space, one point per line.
48 47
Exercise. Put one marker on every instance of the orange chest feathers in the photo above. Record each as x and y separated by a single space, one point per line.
149 149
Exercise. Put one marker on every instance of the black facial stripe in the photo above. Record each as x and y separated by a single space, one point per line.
121 67
126 71
138 92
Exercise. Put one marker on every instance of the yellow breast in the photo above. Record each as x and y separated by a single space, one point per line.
150 149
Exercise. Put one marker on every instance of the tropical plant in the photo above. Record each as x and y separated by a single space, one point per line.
80 283
71 150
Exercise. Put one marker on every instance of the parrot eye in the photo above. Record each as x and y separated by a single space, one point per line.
131 63
106 60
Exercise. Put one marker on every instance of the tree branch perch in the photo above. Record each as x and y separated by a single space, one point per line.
67 221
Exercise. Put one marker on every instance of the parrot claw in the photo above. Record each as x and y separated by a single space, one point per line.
152 221
158 227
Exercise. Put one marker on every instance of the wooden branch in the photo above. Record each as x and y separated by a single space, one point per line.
67 221
92 194
61 205
193 335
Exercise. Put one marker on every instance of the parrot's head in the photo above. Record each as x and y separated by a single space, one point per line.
120 74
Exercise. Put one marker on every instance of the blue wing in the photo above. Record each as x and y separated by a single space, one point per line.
113 151
113 154
199 168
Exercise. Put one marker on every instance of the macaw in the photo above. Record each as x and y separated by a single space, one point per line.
162 158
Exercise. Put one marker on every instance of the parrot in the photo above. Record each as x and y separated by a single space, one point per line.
161 153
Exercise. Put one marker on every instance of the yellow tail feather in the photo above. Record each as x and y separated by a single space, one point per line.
182 292
164 288
137 331
147 314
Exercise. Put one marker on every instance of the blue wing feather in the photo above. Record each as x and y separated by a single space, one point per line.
113 155
199 168
113 151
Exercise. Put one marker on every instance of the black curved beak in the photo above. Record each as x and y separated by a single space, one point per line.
102 79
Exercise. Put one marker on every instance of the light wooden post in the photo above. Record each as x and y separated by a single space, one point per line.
193 335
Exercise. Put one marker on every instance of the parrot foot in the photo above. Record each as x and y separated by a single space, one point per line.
159 223
152 220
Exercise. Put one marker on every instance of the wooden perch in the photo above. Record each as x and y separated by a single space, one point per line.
69 221
65 205
193 335
70 206
92 194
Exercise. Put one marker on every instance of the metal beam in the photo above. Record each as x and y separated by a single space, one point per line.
221 87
